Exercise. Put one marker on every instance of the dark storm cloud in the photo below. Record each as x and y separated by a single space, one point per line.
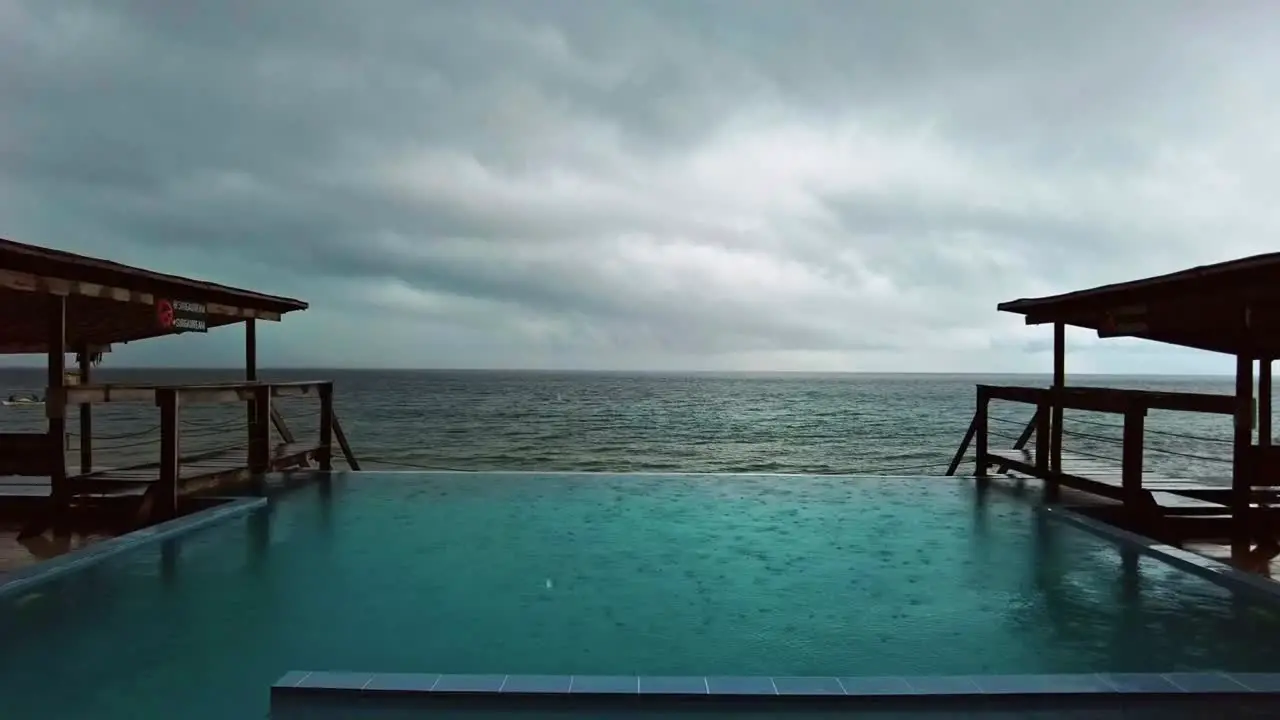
722 183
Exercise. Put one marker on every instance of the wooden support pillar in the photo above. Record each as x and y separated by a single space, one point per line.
86 412
1131 450
166 498
1052 489
250 372
980 435
326 427
56 411
1241 538
260 441
1264 402
1043 431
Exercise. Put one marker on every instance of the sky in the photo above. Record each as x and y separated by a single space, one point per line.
805 185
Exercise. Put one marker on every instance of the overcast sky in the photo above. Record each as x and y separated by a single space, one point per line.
735 184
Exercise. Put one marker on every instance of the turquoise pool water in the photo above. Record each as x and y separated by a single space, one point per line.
608 574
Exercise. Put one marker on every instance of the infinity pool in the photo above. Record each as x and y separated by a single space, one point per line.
608 575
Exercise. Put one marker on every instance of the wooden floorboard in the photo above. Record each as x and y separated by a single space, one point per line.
1163 489
133 480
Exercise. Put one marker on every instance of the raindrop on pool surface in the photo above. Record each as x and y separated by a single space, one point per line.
548 583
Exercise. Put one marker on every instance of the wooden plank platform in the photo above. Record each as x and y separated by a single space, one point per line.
24 486
1104 478
134 480
192 471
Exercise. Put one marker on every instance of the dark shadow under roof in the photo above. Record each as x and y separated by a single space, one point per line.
107 302
1230 307
47 262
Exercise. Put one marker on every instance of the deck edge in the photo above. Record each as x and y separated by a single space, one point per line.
42 572
1210 569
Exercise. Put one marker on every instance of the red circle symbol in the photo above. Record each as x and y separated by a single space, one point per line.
164 313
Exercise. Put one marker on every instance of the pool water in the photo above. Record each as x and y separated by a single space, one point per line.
609 574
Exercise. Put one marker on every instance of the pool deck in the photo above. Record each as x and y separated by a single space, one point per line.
1084 501
134 479
23 578
18 554
1168 492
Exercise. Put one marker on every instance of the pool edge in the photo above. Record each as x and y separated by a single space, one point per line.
1213 570
46 570
1025 692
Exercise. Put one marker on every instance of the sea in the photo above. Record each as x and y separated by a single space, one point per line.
789 423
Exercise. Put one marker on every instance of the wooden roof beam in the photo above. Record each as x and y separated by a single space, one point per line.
25 282
1214 325
63 267
40 348
1260 273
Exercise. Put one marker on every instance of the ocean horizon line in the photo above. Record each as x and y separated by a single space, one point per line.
606 371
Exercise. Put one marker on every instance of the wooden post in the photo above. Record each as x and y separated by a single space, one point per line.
1051 485
260 441
56 411
326 426
1264 402
166 500
1131 450
1042 438
250 373
1241 539
86 412
980 434
1059 382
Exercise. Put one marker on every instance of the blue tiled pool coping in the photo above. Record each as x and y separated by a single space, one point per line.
1177 683
24 579
1026 692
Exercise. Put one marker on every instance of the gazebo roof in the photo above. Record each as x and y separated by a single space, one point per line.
1231 307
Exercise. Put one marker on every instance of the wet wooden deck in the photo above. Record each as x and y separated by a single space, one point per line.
1104 478
193 468
134 479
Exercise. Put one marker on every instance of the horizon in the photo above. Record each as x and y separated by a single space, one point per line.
608 371
702 186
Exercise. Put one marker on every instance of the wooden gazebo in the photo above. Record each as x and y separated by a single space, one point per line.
58 303
1231 308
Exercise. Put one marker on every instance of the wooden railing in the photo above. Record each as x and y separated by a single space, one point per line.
1132 405
1255 469
254 455
259 396
230 392
1023 438
1113 400
176 474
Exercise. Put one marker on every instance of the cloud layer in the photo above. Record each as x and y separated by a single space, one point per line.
626 184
